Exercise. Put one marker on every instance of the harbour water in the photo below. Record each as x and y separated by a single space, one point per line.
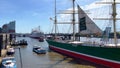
51 59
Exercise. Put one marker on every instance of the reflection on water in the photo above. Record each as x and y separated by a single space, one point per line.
49 60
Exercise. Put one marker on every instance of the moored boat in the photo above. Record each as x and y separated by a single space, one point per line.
22 42
39 50
8 62
10 51
41 39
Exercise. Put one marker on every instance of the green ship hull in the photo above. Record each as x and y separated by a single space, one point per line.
108 56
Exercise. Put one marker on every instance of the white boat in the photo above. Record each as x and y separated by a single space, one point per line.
39 50
9 62
10 51
37 34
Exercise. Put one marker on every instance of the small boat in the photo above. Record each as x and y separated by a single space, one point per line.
23 42
20 42
14 43
39 50
41 39
8 62
10 51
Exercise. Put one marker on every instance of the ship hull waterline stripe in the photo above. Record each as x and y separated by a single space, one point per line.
86 57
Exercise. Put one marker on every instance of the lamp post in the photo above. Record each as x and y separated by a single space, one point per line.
20 56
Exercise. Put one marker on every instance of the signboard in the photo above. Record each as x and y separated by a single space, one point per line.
82 24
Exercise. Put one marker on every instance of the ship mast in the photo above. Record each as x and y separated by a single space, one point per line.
113 18
55 21
114 21
73 21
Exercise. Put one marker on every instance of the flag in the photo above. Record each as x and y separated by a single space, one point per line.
82 24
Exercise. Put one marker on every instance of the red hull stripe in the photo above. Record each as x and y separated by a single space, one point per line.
88 58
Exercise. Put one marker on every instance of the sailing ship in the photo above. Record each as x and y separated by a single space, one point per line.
37 34
99 54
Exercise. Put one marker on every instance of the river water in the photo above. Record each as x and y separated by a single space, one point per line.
51 59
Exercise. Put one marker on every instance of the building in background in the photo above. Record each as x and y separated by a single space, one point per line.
7 35
0 30
9 28
5 28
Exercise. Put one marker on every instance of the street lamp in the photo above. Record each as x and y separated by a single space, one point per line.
20 56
